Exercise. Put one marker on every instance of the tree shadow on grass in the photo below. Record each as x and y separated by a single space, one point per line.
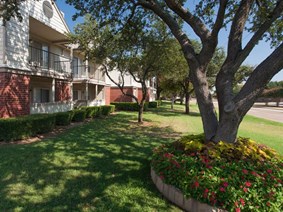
103 165
167 112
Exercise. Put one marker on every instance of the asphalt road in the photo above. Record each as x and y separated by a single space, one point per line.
270 112
267 112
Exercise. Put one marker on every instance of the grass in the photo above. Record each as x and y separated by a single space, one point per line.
260 130
102 165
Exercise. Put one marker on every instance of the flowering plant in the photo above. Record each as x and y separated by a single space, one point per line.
237 177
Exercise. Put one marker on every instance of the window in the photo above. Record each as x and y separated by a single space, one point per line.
41 95
75 66
45 57
75 95
47 9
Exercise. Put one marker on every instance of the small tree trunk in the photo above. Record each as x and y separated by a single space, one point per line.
187 102
140 113
158 93
172 102
181 99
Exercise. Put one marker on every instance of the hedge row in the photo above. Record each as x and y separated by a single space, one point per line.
154 104
128 106
26 126
273 93
29 126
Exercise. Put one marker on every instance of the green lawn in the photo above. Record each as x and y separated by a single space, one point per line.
102 165
260 130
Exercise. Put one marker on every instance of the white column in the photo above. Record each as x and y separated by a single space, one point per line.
2 45
53 91
96 91
71 62
86 68
86 92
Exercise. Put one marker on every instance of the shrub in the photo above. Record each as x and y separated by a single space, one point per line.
42 123
245 176
96 111
88 110
154 104
107 109
79 115
128 106
64 118
25 126
14 129
276 92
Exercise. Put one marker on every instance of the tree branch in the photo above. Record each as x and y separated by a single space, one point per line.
219 19
134 76
262 74
121 87
237 29
276 13
197 25
182 38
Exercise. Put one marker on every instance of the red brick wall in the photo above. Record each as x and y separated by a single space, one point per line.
14 95
117 95
140 94
62 91
107 95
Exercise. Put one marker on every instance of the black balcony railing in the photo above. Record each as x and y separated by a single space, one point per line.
83 72
49 61
80 71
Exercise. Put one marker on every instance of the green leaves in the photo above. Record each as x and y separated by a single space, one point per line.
10 9
229 184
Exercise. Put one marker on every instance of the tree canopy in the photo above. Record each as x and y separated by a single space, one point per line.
136 54
261 18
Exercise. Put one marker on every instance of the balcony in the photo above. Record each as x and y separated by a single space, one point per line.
46 61
84 72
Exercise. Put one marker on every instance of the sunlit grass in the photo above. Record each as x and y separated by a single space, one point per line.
101 166
104 165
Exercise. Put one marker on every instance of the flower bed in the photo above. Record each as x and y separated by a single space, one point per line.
244 176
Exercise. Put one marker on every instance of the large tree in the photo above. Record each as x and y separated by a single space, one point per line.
261 18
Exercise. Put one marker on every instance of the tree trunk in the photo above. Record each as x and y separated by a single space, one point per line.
181 99
172 102
140 113
228 127
187 103
158 93
205 103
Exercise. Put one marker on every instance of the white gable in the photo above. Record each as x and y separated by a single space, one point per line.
56 22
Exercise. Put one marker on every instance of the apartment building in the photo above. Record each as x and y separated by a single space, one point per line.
131 87
40 72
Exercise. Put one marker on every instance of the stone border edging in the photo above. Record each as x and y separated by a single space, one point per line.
175 196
